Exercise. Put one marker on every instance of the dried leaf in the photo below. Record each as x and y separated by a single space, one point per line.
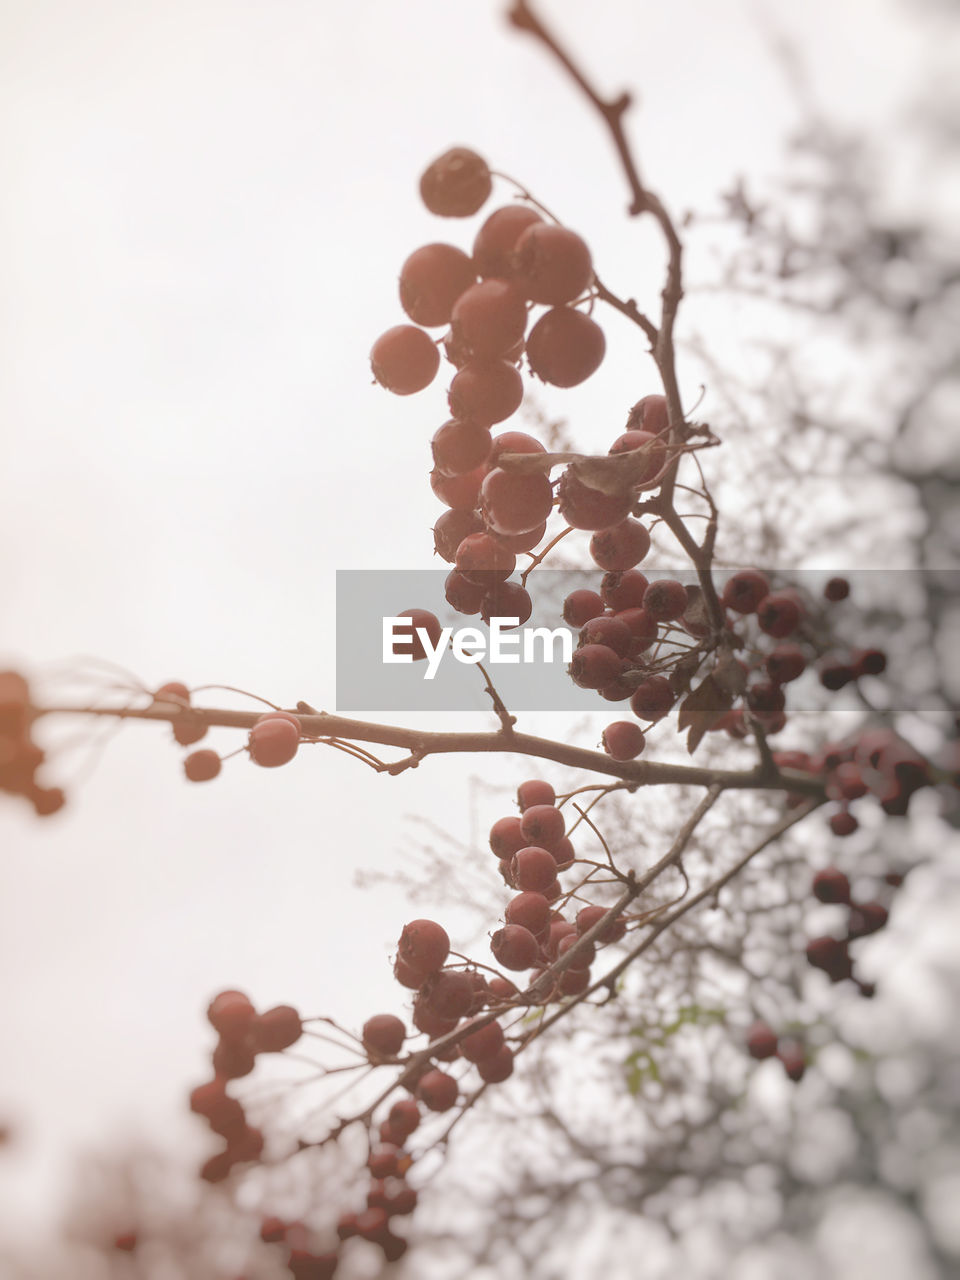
702 708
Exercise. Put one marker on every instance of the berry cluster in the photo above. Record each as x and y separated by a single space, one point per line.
831 954
273 741
20 757
243 1034
518 261
874 762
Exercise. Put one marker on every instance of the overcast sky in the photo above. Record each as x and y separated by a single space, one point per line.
206 207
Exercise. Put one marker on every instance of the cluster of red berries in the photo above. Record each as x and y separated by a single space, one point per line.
831 954
273 741
445 994
874 762
781 614
532 850
20 757
243 1034
518 260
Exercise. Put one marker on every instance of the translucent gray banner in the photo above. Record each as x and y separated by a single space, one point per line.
887 610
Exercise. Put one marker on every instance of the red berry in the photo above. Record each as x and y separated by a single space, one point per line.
456 184
594 665
506 837
495 241
448 994
484 560
535 791
424 945
466 597
489 318
482 1044
405 359
451 529
843 823
408 641
642 628
831 885
652 699
586 508
383 1162
432 1024
565 347
202 766
868 662
276 1030
272 1230
514 947
587 917
231 1014
459 447
794 1062
217 1168
518 542
744 591
665 599
621 546
761 1041
623 589
866 918
233 1059
246 1146
580 606
498 1067
778 614
836 589
830 955
650 414
438 1091
486 393
512 442
623 740
459 492
586 953
189 728
531 909
431 280
404 1117
534 869
607 630
785 663
835 672
542 825
765 699
273 740
552 264
507 600
515 502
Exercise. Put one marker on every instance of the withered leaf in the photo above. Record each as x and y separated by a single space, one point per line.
702 708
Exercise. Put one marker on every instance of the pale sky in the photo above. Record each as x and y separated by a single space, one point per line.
206 208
